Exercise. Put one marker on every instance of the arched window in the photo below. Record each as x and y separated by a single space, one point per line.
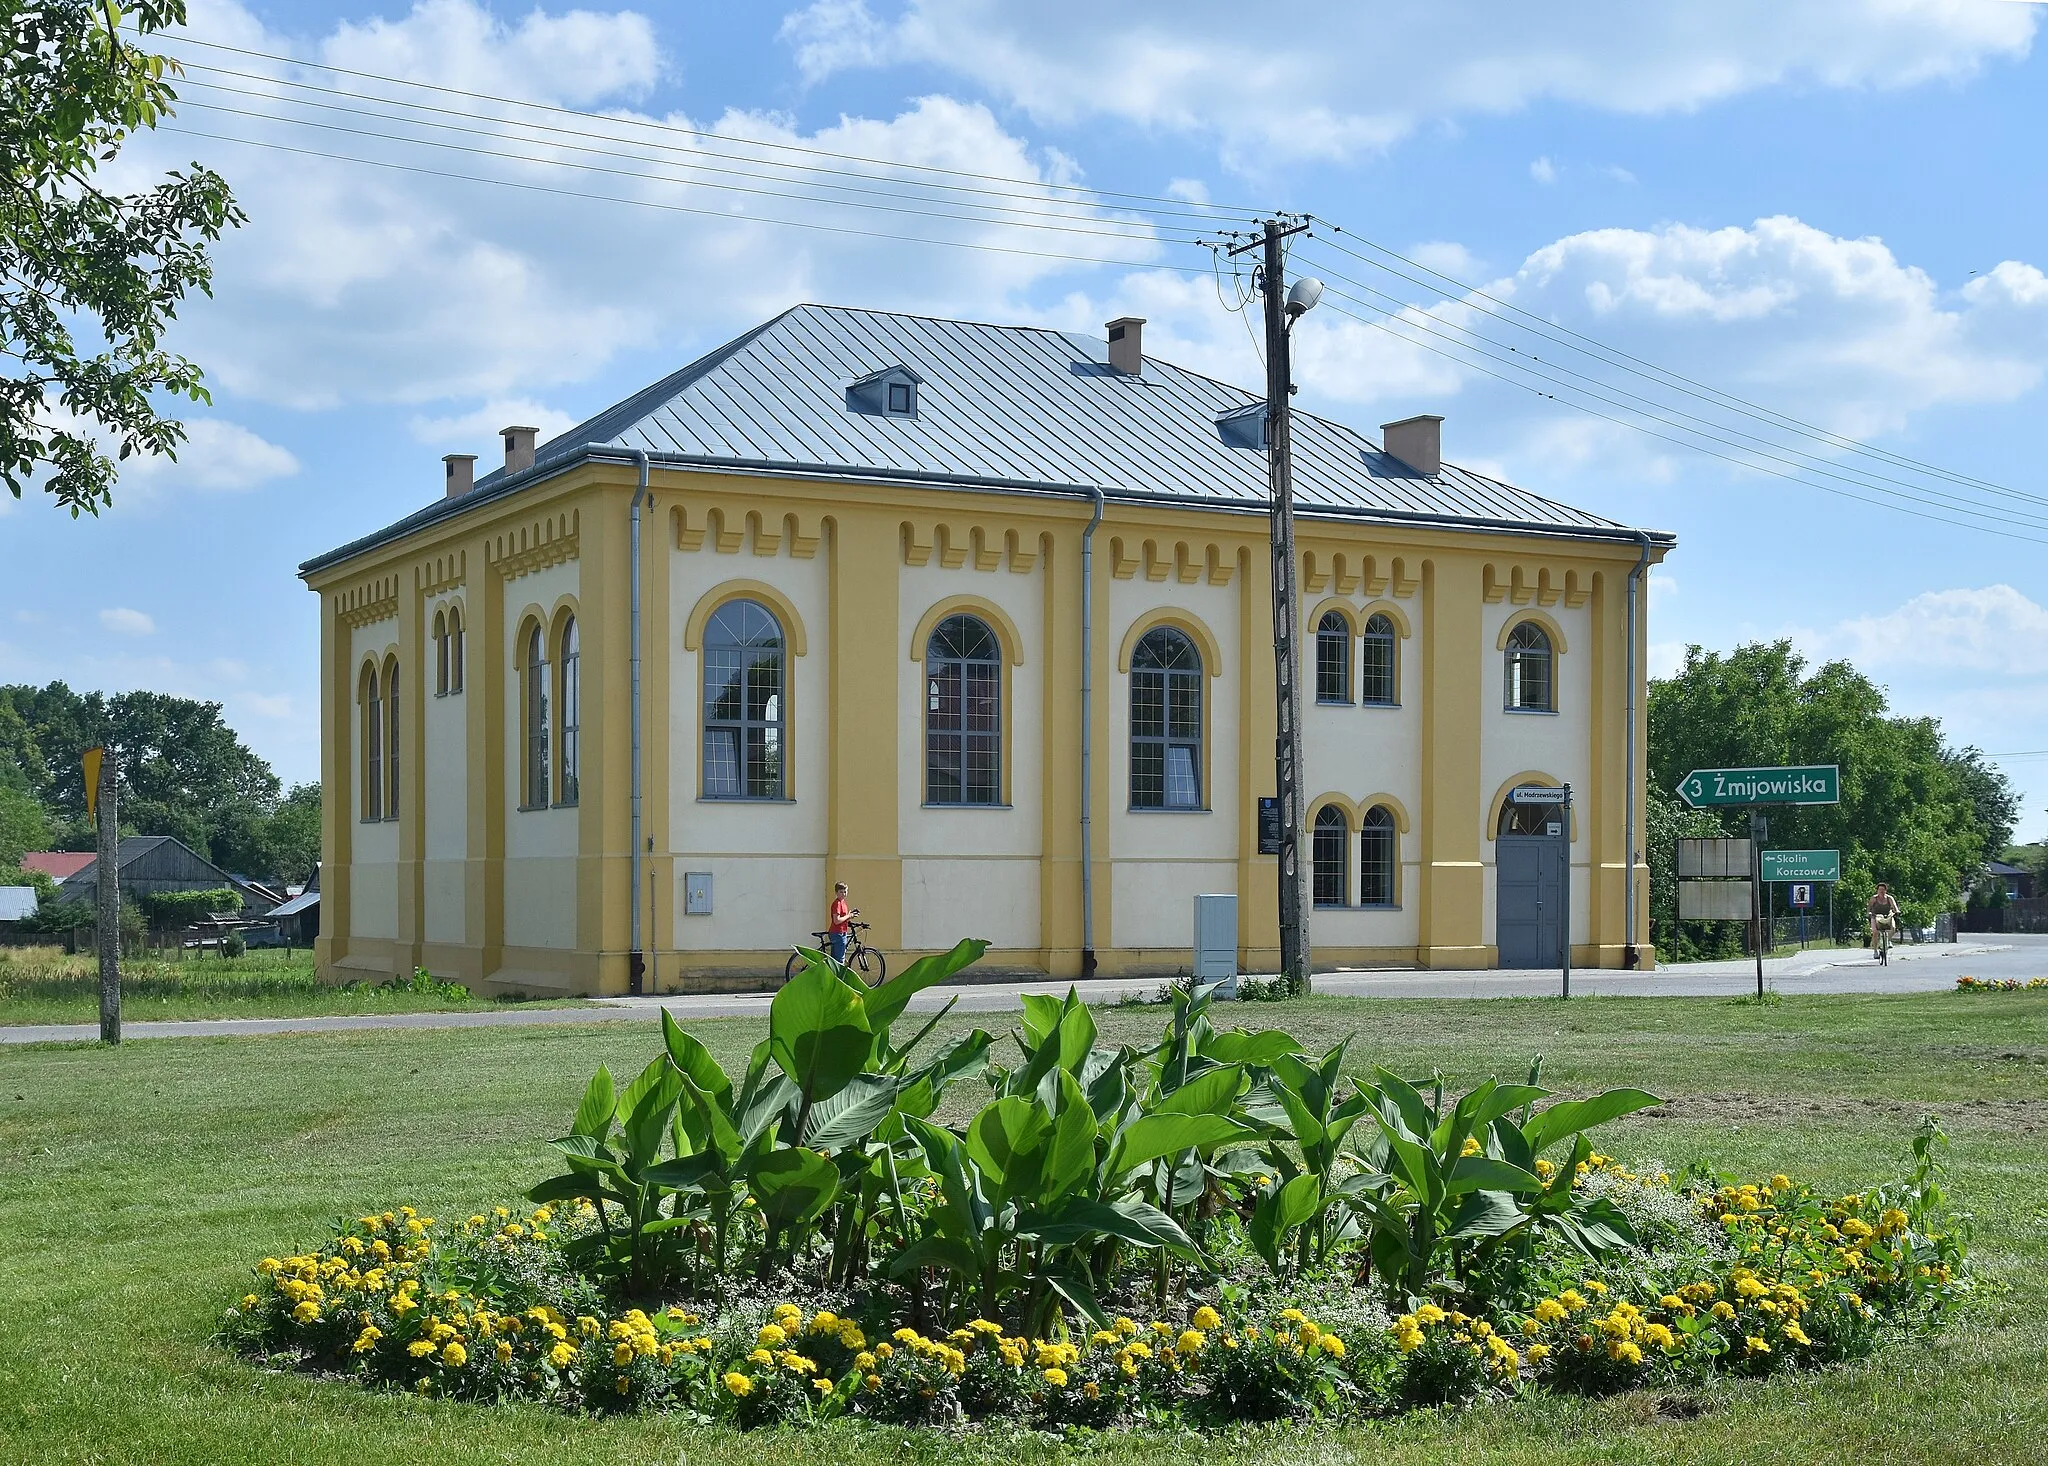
454 649
1531 688
1330 851
371 697
535 672
1378 857
743 703
963 727
1530 819
440 654
567 708
391 727
1379 681
1333 658
1166 722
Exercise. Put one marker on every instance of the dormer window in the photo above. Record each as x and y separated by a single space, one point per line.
1245 427
890 392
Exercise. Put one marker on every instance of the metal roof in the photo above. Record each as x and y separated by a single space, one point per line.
17 903
1019 407
297 904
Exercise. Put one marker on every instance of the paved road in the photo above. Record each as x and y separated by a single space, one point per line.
1913 969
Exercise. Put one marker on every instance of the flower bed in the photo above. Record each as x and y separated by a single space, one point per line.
1218 1229
2000 984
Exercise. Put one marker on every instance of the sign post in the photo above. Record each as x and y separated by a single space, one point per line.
1809 867
100 779
1562 799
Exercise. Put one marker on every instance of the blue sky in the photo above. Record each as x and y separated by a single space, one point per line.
1836 210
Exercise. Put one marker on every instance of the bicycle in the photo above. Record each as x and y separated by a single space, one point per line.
872 966
1881 938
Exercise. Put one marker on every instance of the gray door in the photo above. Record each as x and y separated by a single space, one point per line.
1530 876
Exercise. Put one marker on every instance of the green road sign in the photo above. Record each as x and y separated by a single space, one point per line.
1809 784
1802 865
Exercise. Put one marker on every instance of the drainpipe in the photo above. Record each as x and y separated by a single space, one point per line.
1087 737
636 962
1631 954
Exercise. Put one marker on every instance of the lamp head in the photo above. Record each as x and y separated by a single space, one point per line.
1302 296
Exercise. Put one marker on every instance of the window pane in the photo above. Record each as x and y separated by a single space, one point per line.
1376 860
984 772
721 763
1183 786
1148 775
1333 660
942 768
1148 704
982 712
942 697
1183 705
1376 682
764 763
1331 857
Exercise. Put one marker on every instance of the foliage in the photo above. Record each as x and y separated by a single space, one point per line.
173 910
73 87
1915 812
184 772
24 823
1968 984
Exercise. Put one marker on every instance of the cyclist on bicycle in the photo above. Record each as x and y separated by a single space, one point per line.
1883 910
842 922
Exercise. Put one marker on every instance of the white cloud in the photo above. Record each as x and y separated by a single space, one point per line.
1193 190
1543 171
1991 629
124 622
217 456
1448 257
1323 81
1663 586
355 284
482 425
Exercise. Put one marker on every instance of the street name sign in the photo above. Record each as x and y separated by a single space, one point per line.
1536 794
1804 784
1802 865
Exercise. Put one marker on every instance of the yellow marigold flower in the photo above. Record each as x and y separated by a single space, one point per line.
1125 1326
1623 1351
268 1266
455 1356
1661 1336
772 1335
306 1312
1191 1340
760 1356
1536 1353
1531 1327
1138 1348
822 1386
1891 1220
1429 1313
1724 1310
1056 1377
1013 1356
1595 1287
738 1384
1206 1318
561 1354
1308 1334
1550 1310
1756 1345
906 1336
1092 1390
1671 1301
367 1339
1749 1288
622 1355
871 1382
884 1350
1796 1334
504 1352
1781 1182
420 1348
1102 1338
1470 1147
1333 1346
983 1326
1292 1315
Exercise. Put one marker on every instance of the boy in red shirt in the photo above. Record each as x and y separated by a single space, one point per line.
842 922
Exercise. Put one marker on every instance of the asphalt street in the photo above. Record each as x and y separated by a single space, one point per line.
1912 969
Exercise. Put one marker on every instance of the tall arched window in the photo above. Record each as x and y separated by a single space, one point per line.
1379 681
392 724
1166 722
744 740
371 697
963 727
1330 851
568 704
1531 688
1378 857
1333 658
454 649
535 672
440 654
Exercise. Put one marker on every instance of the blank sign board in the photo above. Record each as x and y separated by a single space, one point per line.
1713 860
1714 900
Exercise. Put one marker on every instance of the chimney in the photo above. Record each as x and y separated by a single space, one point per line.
1417 442
518 448
461 473
1127 345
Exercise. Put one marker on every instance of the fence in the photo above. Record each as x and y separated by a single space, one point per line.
2030 915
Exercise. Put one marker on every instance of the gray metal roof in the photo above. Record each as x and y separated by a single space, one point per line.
17 903
1018 407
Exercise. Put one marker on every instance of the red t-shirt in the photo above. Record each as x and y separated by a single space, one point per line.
842 915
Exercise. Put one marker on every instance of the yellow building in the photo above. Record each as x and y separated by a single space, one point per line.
976 619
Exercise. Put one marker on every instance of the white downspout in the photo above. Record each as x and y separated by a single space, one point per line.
637 961
1631 954
1087 737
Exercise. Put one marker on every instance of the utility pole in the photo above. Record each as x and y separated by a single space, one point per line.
1281 309
100 783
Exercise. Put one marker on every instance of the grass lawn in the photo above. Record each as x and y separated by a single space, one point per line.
42 985
137 1186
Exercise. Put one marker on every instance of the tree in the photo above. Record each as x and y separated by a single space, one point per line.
294 835
1914 812
72 255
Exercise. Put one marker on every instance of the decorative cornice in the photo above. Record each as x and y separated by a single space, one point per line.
441 572
367 602
550 540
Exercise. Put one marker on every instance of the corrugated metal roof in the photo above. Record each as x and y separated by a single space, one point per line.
17 903
1018 406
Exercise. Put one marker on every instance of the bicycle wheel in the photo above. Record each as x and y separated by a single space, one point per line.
873 966
793 966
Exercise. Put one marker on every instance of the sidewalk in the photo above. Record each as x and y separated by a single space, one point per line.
1913 969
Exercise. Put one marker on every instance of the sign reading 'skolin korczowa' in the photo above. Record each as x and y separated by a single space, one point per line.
1810 784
